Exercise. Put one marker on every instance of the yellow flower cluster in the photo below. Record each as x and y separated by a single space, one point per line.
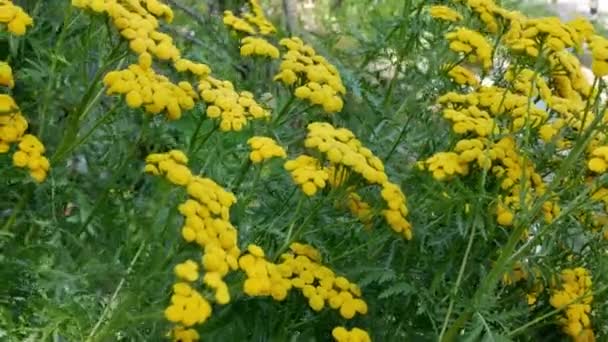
599 160
529 35
341 334
463 76
568 78
599 51
486 10
263 148
171 165
444 165
207 223
234 109
308 173
471 119
14 17
252 23
184 335
444 13
188 307
142 86
575 295
258 47
258 18
6 75
137 22
12 130
30 155
300 269
472 44
343 149
316 80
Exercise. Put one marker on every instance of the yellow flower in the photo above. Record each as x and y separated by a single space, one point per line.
264 148
6 75
15 18
444 13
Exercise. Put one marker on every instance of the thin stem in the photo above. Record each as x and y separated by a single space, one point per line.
463 265
109 307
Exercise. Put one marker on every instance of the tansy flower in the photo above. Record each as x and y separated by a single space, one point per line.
232 108
444 13
463 76
575 294
341 334
14 17
318 81
472 44
258 47
6 75
308 173
263 148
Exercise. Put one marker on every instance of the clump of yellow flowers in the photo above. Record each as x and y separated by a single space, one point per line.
264 148
444 13
207 223
472 44
232 108
314 78
143 87
575 295
300 269
252 23
258 47
14 17
137 22
13 125
342 334
463 76
307 172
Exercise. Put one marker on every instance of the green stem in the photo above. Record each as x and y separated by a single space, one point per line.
292 97
17 210
192 150
244 170
458 280
112 303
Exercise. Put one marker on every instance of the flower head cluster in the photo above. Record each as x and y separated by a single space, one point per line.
171 165
486 10
472 44
30 153
343 149
599 160
14 17
258 18
207 223
341 334
237 24
463 76
444 13
182 334
188 307
6 75
263 148
316 79
599 50
143 87
301 270
258 47
575 294
137 22
31 156
308 173
529 35
234 109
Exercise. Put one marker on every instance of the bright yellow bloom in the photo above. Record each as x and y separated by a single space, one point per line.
258 47
473 44
15 18
6 75
444 13
264 148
